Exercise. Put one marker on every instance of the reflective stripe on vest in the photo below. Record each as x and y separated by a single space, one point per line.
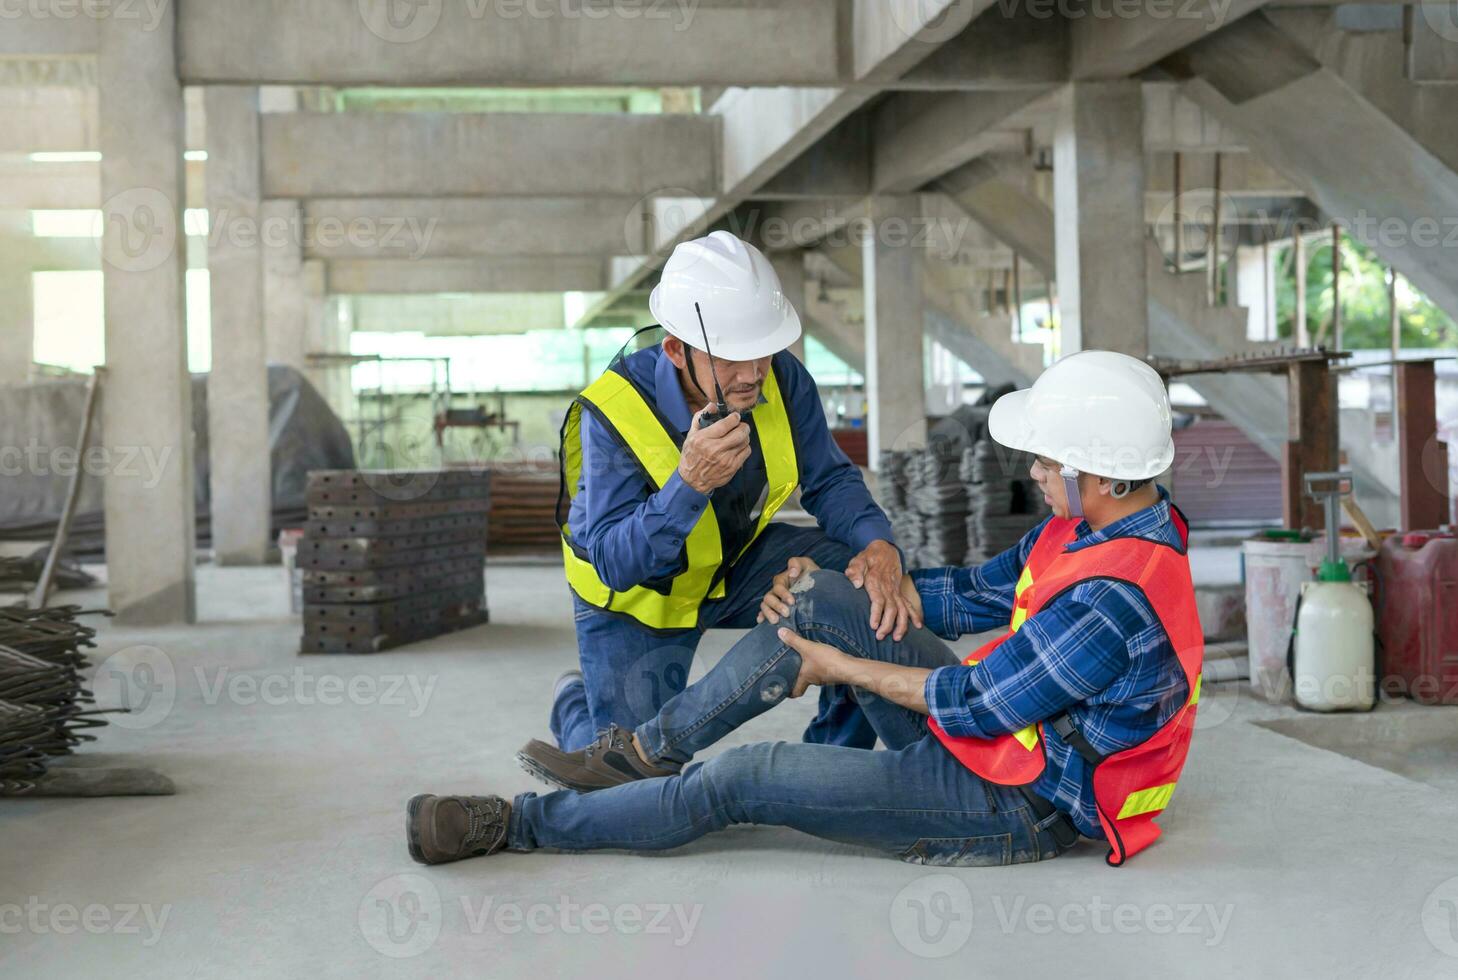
618 404
1133 785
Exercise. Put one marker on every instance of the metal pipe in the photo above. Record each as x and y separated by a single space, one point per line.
1179 216
1212 251
1302 331
1336 286
1017 297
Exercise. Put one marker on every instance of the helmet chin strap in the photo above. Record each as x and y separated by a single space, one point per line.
1070 487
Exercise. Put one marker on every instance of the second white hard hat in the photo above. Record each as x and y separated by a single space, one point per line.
1097 411
745 310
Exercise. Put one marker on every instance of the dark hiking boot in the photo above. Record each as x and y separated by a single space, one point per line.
448 828
610 761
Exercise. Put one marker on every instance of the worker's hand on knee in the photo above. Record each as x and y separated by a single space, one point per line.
712 456
778 600
878 570
820 663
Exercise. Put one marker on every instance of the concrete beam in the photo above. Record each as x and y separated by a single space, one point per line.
241 497
48 119
494 275
1005 50
420 228
71 186
1108 44
764 129
510 43
1353 161
530 154
147 402
36 30
919 136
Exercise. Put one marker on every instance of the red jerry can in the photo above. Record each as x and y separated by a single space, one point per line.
1417 616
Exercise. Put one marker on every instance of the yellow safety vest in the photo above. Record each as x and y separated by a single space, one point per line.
626 412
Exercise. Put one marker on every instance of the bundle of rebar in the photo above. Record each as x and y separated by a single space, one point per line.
953 506
392 557
44 704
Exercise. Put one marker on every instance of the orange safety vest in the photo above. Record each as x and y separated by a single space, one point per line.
1134 785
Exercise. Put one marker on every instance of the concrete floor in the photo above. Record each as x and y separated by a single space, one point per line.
282 853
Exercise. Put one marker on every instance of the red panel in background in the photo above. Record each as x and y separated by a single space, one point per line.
853 443
1221 476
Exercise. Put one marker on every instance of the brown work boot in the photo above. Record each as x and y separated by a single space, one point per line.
448 828
610 761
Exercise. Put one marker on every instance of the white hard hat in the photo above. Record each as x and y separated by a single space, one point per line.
745 310
1095 411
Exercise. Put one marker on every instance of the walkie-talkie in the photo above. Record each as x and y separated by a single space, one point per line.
720 410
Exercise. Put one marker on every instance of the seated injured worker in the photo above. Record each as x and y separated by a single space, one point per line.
1076 721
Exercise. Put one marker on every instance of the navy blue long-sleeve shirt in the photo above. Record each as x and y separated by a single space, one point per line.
634 535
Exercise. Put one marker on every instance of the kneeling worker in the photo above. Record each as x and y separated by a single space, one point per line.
1076 721
673 464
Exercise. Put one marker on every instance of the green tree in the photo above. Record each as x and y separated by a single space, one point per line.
1364 301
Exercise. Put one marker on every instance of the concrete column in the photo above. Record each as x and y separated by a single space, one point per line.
17 302
285 305
1098 192
241 485
790 267
895 381
147 398
1255 289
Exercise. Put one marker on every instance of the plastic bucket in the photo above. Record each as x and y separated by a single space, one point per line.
1274 570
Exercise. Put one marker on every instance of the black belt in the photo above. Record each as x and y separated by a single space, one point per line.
1051 819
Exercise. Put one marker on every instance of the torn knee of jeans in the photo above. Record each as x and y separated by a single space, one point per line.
773 689
802 585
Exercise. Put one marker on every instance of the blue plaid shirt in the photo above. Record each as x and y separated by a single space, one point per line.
1097 651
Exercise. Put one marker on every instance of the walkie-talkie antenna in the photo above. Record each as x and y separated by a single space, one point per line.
718 391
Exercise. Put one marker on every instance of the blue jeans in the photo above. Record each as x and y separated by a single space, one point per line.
630 672
915 801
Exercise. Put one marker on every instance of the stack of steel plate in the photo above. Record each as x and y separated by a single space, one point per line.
43 703
392 557
1003 501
